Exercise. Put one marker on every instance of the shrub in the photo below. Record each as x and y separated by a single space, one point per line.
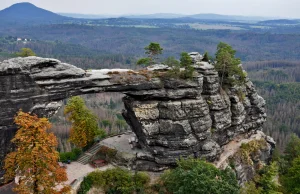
171 61
120 181
85 185
76 151
73 155
250 188
241 95
197 176
247 149
26 52
108 152
176 73
141 180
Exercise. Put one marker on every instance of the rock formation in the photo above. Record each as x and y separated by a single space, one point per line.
172 118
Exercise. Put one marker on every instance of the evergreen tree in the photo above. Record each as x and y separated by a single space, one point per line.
267 181
206 57
291 180
185 60
292 149
144 61
250 188
228 66
152 50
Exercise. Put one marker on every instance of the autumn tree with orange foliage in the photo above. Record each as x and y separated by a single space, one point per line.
35 161
84 123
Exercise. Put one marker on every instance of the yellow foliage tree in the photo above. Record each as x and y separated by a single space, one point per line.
84 123
26 52
35 161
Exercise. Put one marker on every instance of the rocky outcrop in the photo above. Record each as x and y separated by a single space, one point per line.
246 154
192 118
172 118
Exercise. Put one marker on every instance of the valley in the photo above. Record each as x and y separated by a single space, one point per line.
269 49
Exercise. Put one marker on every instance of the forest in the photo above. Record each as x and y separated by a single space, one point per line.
270 57
279 83
98 40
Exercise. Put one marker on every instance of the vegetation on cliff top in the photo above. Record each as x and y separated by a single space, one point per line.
25 52
152 50
228 66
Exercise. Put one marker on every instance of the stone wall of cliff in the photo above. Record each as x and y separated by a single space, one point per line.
172 118
192 117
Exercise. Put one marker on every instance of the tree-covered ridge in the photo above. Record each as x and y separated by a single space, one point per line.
274 71
250 46
278 83
279 93
75 54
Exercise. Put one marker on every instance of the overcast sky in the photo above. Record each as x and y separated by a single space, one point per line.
277 8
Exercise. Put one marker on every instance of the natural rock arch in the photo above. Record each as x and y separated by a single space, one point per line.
171 117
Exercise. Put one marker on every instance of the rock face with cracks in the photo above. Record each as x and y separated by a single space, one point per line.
171 118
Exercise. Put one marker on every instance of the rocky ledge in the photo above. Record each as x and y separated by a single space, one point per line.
171 118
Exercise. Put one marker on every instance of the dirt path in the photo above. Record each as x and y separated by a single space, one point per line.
76 170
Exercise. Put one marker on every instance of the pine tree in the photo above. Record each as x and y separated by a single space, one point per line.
152 50
250 188
291 180
206 57
186 62
268 179
292 149
228 66
35 161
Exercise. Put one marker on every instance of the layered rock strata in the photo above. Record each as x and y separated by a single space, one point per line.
193 118
172 118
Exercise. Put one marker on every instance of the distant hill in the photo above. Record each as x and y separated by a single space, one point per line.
26 13
171 16
211 16
280 22
208 16
87 16
156 16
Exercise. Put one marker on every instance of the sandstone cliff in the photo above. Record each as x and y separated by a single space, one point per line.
172 118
